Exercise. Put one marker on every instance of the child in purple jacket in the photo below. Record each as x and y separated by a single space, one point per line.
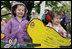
16 27
64 20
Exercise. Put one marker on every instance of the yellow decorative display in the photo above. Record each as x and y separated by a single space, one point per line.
46 36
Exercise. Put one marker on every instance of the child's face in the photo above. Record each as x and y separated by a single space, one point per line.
62 13
56 20
33 13
20 10
46 11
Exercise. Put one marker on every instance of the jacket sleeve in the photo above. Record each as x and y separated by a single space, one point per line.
48 18
43 17
63 31
66 19
26 24
7 29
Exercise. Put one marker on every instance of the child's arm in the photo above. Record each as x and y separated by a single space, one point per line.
62 31
7 30
43 17
26 27
27 22
66 19
49 24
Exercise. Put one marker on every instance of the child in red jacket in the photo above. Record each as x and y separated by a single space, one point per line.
47 18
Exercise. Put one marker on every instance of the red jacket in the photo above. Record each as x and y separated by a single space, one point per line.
49 13
48 17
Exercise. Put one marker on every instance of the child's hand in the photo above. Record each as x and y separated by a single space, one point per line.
60 32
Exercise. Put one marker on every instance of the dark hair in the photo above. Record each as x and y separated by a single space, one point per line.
14 9
53 14
63 12
48 10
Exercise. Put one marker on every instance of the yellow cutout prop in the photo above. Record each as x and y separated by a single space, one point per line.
46 36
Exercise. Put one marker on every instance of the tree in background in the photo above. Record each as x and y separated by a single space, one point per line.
7 5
